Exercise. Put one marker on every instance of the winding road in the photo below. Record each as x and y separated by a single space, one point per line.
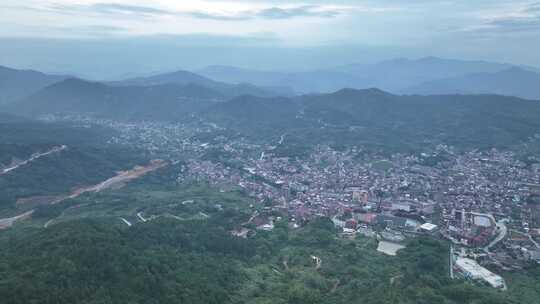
503 231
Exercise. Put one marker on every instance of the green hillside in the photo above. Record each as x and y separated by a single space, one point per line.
86 159
171 261
377 120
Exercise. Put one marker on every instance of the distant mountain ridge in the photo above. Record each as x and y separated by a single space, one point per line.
20 84
178 77
429 75
76 96
185 78
16 84
396 75
512 82
371 118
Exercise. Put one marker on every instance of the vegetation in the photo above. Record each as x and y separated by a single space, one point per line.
382 122
86 161
93 262
168 260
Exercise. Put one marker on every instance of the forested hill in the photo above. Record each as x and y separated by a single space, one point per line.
370 117
379 119
17 84
87 159
185 78
171 261
160 102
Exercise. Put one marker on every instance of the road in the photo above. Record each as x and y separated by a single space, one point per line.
8 222
451 261
254 215
34 157
533 241
126 221
528 236
139 215
503 231
123 177
127 176
282 138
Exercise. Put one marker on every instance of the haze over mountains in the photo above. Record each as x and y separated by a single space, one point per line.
512 82
80 97
267 105
378 119
185 77
346 117
269 151
16 84
424 76
396 76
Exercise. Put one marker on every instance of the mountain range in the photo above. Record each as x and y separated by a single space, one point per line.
459 109
80 97
398 76
17 84
346 117
185 78
375 119
512 82
423 76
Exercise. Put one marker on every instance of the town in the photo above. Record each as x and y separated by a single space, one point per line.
486 203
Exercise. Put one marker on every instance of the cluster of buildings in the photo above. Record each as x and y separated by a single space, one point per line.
484 201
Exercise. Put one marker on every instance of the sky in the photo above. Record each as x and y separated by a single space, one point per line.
64 35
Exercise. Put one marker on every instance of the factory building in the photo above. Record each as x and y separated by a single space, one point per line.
473 271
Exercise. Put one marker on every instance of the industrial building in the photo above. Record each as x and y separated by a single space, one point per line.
428 228
472 270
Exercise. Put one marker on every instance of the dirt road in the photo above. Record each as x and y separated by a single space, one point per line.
34 157
121 178
8 222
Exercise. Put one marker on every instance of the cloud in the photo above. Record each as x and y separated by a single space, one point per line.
301 11
103 8
526 19
516 24
271 12
114 8
519 19
92 30
215 16
533 8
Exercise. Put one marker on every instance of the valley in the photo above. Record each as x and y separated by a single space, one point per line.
269 152
316 198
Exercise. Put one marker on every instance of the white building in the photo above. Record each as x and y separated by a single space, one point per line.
472 270
428 227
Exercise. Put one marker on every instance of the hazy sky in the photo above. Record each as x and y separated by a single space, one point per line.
506 30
